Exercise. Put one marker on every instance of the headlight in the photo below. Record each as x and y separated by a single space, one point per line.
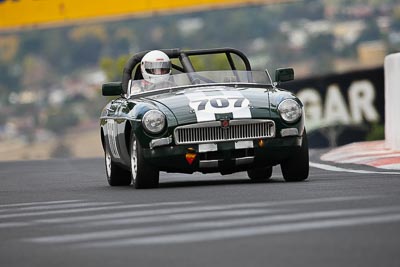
154 121
289 110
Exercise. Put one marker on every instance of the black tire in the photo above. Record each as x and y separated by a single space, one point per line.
260 174
116 175
296 168
143 175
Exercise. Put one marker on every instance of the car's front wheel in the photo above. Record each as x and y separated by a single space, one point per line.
296 168
260 174
143 175
116 175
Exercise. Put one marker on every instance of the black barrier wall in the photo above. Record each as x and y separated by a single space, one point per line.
341 108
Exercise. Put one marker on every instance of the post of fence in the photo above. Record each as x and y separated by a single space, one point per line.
392 102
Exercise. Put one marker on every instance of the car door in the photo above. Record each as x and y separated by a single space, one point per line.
121 120
112 130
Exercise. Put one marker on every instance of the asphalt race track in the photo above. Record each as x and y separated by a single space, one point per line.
63 213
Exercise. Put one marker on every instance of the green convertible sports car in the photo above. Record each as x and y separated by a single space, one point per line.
227 120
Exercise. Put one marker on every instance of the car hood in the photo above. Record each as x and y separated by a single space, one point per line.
214 103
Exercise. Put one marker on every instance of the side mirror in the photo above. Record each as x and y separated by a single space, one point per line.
284 75
112 89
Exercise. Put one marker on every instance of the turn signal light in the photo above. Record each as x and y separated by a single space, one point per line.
260 143
190 157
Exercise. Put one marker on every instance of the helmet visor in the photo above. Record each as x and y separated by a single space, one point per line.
157 68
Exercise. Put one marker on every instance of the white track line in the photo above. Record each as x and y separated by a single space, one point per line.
245 230
181 217
38 203
395 166
203 225
69 211
59 206
338 169
14 224
167 211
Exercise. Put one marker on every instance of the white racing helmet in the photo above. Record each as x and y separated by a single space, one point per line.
155 66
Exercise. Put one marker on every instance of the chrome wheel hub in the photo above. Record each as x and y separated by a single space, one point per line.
108 164
134 160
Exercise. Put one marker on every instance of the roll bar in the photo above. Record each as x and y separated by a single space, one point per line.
183 56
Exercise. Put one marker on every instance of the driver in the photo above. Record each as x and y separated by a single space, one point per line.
156 70
155 67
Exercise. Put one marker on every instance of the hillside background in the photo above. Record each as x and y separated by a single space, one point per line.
50 79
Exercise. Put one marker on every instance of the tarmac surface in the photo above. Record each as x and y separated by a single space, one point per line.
63 213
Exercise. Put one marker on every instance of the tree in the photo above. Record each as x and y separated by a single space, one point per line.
113 67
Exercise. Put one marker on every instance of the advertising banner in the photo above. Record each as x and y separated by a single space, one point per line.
341 108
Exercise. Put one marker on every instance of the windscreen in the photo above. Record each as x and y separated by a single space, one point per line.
205 77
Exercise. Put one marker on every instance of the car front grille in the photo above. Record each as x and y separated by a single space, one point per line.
207 132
